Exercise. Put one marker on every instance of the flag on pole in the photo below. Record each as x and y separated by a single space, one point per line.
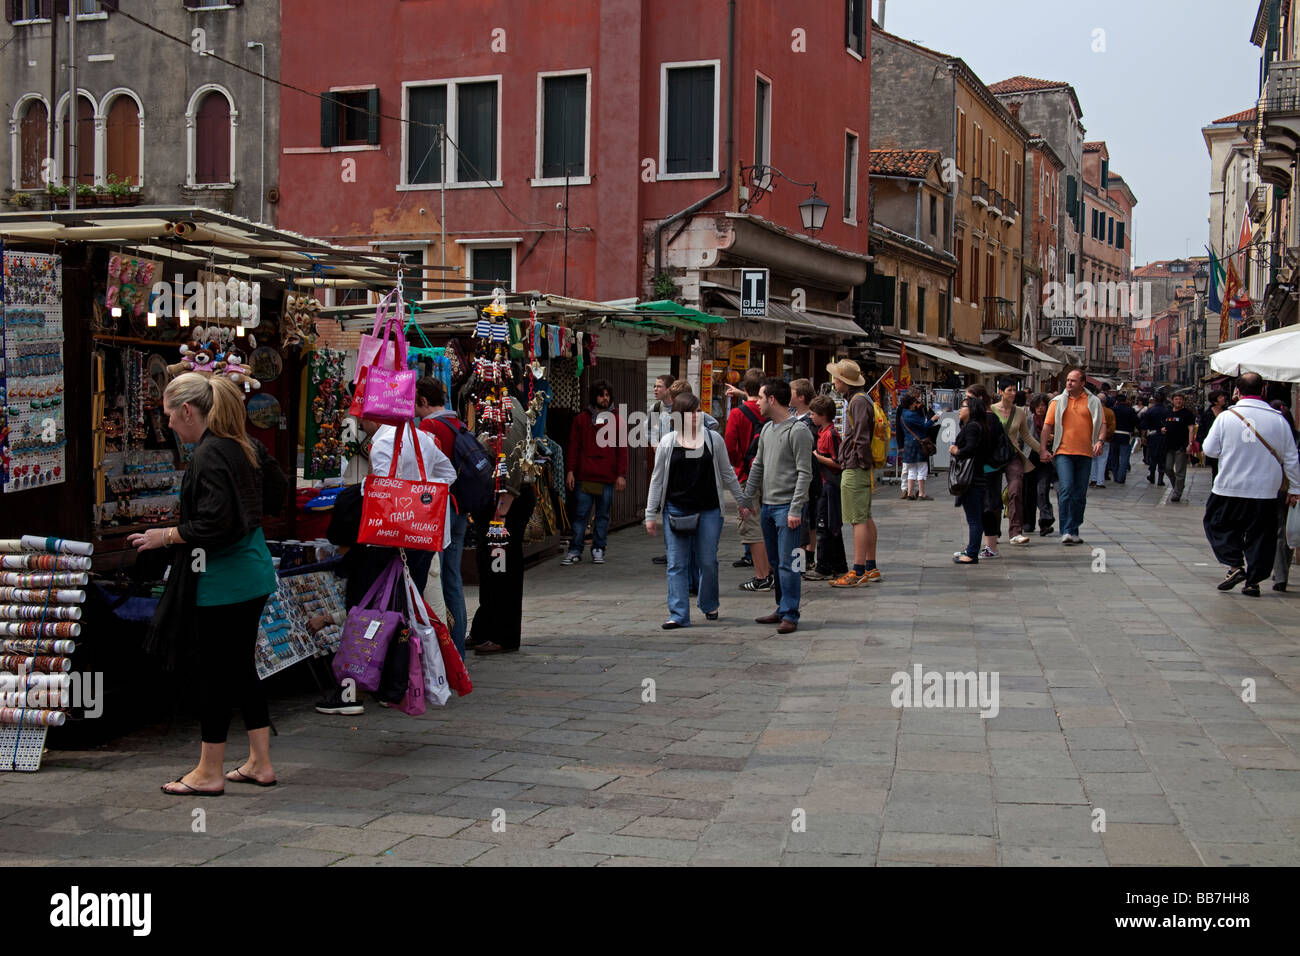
1243 245
889 383
1231 287
1216 280
904 370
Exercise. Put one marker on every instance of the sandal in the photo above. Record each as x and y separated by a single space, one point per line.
241 777
189 791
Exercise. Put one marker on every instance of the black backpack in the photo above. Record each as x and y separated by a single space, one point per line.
473 488
1002 452
752 451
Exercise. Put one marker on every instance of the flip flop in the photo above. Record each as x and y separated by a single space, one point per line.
189 791
241 777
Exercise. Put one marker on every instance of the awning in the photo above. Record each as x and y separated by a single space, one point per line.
812 320
1034 354
1274 355
980 364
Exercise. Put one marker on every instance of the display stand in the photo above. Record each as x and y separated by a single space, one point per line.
41 590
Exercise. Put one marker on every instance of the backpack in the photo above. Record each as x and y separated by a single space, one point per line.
1002 452
473 488
880 438
752 451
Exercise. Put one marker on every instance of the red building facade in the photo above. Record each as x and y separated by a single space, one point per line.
630 99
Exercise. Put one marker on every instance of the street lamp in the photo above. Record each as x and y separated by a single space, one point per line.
1201 280
758 179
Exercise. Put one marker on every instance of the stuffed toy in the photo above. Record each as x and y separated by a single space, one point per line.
234 367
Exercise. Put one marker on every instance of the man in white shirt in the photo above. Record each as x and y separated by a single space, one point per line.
1256 451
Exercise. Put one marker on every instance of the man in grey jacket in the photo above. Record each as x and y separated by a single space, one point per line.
782 471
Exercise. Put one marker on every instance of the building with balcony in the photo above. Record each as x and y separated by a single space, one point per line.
157 121
1106 287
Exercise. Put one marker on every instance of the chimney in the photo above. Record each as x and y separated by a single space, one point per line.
1014 110
880 16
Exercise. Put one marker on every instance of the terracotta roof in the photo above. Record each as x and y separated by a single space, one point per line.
1025 84
912 163
1160 268
1245 116
1094 147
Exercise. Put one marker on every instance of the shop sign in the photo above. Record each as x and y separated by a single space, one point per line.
706 386
1122 353
1064 328
738 356
753 293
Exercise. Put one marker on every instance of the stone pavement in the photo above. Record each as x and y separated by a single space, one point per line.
1120 691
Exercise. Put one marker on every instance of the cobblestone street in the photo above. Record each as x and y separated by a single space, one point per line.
1119 691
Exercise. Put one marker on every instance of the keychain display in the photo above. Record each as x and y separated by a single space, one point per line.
33 427
493 407
327 404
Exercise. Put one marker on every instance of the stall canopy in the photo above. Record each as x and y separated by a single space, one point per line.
975 364
1035 354
1274 355
188 234
807 320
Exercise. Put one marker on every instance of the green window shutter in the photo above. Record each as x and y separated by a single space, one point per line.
372 111
329 120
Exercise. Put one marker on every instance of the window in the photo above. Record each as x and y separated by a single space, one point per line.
850 177
991 166
1072 263
1096 225
122 141
855 26
934 215
495 263
979 151
688 126
33 129
961 140
564 126
1110 230
902 306
920 310
974 272
349 118
200 4
1072 201
943 314
1006 171
956 282
762 122
1119 235
85 143
17 11
469 111
1105 173
210 124
1019 184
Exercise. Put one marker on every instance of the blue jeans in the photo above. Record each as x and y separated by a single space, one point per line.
781 542
972 503
453 589
1121 448
583 510
1072 492
687 552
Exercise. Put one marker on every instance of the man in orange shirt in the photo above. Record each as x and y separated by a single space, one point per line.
1072 437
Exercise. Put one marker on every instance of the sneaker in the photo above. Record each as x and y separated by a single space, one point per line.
1232 579
874 575
660 559
570 558
989 553
745 562
1020 539
758 584
1076 539
1250 590
1047 531
1279 586
1175 498
815 575
597 555
333 703
849 579
1102 485
1067 539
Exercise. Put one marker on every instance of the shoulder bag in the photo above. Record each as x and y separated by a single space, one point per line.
1286 485
928 447
370 628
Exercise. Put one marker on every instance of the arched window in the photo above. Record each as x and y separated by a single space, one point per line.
212 139
122 140
85 143
33 130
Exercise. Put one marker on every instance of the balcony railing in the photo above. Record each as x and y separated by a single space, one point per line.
979 192
995 203
1259 203
1282 90
1009 210
1000 315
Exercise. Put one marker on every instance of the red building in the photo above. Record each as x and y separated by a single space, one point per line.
650 108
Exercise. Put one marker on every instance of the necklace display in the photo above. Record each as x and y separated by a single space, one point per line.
493 408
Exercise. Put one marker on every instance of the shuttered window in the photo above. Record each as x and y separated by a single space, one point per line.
564 126
690 125
122 141
32 132
426 109
496 264
855 26
476 126
349 118
85 144
212 140
1119 235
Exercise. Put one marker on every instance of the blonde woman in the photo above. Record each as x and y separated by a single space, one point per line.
219 606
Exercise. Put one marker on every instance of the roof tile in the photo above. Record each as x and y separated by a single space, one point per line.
913 163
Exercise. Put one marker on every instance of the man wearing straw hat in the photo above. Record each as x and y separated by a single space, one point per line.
855 478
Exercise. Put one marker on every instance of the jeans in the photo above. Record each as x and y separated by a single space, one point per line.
972 502
1176 469
1121 448
1072 494
581 513
453 589
1098 468
781 541
1015 472
686 552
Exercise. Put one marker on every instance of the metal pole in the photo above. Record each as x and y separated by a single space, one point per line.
74 112
565 285
442 191
261 203
47 179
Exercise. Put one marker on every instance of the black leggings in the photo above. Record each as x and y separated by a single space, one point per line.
225 636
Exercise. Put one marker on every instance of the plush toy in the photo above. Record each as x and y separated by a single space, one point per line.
194 358
234 367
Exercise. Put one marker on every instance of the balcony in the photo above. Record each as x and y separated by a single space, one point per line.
1259 203
1280 122
1009 210
979 192
995 203
1000 315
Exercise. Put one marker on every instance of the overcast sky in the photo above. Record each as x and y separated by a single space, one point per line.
1169 68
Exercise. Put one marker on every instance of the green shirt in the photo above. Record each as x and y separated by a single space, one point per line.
240 573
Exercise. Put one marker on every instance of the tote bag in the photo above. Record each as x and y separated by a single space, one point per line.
397 513
433 671
375 346
960 475
369 630
389 395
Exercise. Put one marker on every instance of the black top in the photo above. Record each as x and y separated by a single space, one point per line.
971 443
221 495
1126 418
1177 426
692 485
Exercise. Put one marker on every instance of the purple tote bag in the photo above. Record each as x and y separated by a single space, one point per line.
369 630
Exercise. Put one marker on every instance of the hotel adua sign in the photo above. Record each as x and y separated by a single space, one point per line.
753 293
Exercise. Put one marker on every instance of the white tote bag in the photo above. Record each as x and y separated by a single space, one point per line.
436 689
1293 526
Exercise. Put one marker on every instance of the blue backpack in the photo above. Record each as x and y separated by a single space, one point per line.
473 488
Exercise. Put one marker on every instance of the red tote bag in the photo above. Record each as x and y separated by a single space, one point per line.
397 513
376 346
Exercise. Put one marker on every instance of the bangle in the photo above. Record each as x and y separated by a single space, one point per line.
168 539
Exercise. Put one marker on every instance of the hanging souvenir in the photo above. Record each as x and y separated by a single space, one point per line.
326 404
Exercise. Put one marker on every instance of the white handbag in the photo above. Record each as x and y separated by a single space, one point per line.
436 689
1293 526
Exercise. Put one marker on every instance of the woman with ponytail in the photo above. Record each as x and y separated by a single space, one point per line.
221 575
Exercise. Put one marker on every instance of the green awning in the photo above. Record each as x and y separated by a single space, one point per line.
680 316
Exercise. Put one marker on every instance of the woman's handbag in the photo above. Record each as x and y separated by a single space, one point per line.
390 392
684 524
370 628
433 670
928 447
1293 526
397 513
960 475
375 345
396 672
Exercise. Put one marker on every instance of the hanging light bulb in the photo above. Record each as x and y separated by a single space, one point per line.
151 320
116 311
184 317
239 331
